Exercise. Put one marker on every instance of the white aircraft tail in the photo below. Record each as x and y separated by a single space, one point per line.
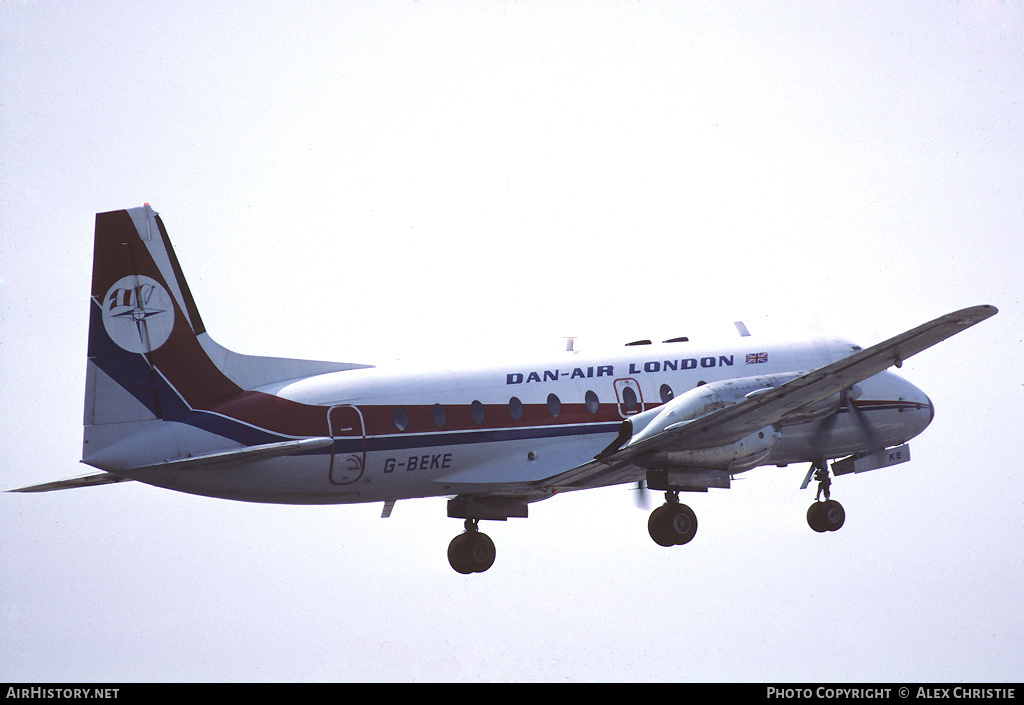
150 357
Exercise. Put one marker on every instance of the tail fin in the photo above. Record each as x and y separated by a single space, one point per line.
150 357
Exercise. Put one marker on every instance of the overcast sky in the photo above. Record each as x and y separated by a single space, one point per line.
364 181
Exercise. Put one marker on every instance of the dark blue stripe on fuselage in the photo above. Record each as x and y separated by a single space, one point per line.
496 435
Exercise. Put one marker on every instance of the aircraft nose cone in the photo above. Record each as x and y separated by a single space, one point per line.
925 412
918 410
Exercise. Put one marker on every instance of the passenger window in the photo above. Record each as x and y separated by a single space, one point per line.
440 417
666 393
629 399
515 408
477 410
401 418
593 403
554 405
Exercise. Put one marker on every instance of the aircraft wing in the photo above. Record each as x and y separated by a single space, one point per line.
734 422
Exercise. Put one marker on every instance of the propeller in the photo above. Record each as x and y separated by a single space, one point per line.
821 438
824 433
867 432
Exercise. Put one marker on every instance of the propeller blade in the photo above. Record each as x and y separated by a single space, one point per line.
862 423
824 433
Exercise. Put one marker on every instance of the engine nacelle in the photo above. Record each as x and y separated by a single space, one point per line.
744 454
821 409
700 401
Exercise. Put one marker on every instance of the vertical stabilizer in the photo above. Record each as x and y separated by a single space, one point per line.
150 357
143 328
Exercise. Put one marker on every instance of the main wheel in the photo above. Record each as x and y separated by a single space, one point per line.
672 525
657 527
683 524
471 552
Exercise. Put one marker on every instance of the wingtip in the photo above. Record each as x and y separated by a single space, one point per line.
982 312
971 315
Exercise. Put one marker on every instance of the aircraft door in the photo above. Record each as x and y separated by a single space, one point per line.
629 396
348 454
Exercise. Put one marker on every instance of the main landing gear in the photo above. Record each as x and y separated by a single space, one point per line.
471 551
672 524
827 515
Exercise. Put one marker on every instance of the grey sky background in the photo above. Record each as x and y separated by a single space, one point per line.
367 181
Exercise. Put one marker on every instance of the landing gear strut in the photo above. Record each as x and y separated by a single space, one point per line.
672 524
828 515
471 551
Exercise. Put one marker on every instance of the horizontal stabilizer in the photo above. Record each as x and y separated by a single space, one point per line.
103 478
223 458
247 454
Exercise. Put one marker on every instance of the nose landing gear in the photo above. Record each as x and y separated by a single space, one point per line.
827 515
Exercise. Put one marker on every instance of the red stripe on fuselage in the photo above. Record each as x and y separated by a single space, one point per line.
275 414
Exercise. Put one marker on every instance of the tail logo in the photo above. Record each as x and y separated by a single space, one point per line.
138 314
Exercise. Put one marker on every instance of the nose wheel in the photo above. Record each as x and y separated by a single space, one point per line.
827 515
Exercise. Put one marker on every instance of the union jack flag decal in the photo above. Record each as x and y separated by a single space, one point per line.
755 358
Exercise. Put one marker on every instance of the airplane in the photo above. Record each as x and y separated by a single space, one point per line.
167 406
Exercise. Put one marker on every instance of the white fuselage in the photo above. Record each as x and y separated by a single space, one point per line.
404 433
